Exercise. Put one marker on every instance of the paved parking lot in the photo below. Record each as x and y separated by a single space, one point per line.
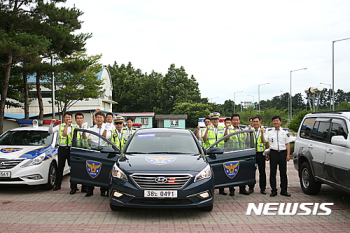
30 209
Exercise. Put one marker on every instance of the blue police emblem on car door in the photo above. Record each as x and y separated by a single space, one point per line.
231 168
93 168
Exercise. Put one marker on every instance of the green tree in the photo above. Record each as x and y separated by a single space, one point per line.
193 111
175 88
79 80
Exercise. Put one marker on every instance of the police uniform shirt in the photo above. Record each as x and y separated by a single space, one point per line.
55 129
277 139
129 131
100 131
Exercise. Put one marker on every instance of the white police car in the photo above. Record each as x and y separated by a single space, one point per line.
28 155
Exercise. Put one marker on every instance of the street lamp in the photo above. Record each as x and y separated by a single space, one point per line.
53 90
234 100
290 94
333 69
259 93
253 98
330 100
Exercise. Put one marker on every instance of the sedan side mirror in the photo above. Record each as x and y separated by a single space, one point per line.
108 149
215 150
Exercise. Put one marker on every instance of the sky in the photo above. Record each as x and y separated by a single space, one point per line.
231 47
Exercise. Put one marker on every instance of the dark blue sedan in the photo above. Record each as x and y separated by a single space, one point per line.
163 168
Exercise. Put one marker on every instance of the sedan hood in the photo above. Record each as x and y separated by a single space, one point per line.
162 163
22 152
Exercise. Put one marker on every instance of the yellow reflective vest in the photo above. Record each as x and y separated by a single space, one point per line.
259 145
81 142
212 137
120 143
64 140
237 141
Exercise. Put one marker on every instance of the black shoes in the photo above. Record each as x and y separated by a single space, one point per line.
56 187
243 191
222 192
263 192
73 191
285 194
273 194
88 194
250 191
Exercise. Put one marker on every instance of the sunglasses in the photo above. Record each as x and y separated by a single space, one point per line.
118 123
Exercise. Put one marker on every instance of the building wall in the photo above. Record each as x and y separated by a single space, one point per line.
181 123
101 103
150 121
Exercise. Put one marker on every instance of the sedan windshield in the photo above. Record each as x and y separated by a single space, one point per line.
163 142
26 138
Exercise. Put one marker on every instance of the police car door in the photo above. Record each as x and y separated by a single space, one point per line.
236 165
92 160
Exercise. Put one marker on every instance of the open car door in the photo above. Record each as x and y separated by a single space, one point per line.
232 159
92 158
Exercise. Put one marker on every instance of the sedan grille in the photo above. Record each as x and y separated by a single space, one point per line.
160 181
8 164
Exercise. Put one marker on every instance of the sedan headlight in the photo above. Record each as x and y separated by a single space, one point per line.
36 161
118 173
204 174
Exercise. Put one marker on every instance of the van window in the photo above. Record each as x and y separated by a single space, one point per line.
308 124
339 128
320 131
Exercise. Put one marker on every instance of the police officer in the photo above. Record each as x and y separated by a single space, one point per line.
278 141
109 121
237 142
129 130
200 131
65 142
99 128
118 137
81 142
213 132
260 158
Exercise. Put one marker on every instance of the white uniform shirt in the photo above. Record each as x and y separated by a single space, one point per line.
100 131
54 129
277 139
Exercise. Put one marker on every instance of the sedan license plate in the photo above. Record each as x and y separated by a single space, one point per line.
160 193
5 174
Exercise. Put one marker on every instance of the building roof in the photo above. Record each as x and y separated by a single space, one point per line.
172 116
136 114
32 77
16 115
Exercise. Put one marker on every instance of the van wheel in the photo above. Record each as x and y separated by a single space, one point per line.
307 180
51 177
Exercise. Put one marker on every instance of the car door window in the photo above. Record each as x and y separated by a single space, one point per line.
321 132
240 140
339 128
90 140
305 131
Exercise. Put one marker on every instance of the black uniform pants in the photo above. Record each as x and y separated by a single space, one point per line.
63 155
278 158
261 162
